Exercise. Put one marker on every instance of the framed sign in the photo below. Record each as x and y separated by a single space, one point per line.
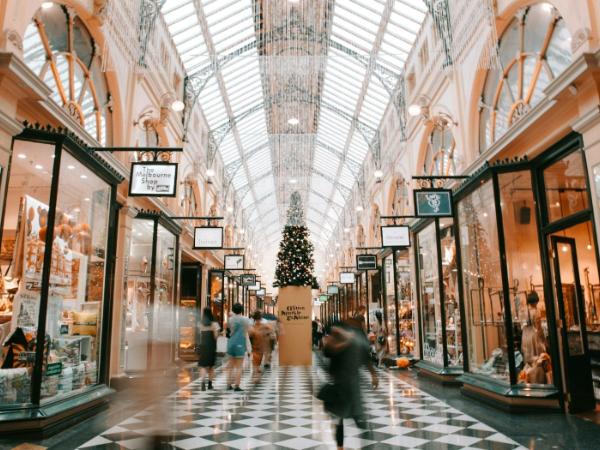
153 179
248 279
208 238
234 262
395 236
347 278
433 202
366 262
254 287
261 292
333 290
323 298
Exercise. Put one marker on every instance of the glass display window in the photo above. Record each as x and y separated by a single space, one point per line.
189 313
566 187
57 240
482 284
216 293
389 305
406 316
150 314
429 281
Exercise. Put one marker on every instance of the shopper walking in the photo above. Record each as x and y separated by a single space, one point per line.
236 347
260 340
348 350
381 334
207 347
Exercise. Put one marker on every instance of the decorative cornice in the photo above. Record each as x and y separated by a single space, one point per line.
9 124
23 77
590 119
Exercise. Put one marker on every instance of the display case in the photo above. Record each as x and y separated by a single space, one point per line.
151 280
439 312
58 244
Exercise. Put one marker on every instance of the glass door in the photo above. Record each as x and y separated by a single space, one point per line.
576 365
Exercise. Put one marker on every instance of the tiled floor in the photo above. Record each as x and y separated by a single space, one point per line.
282 413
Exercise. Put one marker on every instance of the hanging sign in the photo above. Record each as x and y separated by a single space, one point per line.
395 236
234 262
153 179
208 238
366 262
323 298
254 287
333 290
261 292
248 279
433 202
347 278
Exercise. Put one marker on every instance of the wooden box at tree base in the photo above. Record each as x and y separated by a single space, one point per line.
294 306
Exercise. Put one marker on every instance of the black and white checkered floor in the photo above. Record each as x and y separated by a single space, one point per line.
281 412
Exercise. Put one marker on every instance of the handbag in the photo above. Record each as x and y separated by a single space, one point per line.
333 400
222 344
381 340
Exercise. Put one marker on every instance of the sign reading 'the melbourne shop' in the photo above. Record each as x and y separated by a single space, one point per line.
153 179
433 202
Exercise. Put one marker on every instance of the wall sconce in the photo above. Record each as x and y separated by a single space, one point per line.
424 109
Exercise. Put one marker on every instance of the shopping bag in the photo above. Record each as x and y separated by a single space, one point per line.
222 344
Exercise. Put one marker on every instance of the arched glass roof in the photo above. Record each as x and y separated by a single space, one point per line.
300 88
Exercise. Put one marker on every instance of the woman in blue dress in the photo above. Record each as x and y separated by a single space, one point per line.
236 346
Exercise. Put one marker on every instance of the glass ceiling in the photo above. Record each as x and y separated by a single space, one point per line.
350 45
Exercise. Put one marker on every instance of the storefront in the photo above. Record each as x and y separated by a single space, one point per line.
440 321
529 277
190 309
398 304
216 295
57 261
151 277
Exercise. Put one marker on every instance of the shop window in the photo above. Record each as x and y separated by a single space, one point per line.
431 315
60 50
533 51
439 159
450 287
389 309
482 284
566 187
523 264
57 212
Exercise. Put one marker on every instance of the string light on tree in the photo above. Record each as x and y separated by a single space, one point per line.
295 263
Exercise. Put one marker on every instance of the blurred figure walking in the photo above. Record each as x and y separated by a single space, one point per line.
207 348
236 346
259 334
381 334
348 350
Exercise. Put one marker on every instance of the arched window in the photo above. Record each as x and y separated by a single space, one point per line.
534 50
61 51
439 159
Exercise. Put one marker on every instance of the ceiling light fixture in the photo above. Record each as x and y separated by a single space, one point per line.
293 121
210 173
83 177
359 208
293 181
414 110
39 167
47 5
22 156
378 173
346 230
229 209
71 167
177 106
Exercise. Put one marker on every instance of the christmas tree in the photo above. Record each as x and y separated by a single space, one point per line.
295 258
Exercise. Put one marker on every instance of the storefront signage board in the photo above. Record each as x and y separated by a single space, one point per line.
433 202
153 179
395 236
248 279
208 238
333 290
366 262
234 262
323 298
261 292
347 278
54 369
254 287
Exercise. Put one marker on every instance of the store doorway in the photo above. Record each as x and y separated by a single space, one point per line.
571 324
